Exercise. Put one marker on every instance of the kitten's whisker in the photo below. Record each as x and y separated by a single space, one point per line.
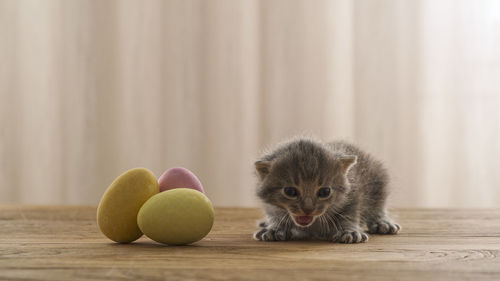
326 224
328 220
279 221
283 220
287 221
320 219
340 215
336 223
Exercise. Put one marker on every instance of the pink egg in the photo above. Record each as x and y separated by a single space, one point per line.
179 177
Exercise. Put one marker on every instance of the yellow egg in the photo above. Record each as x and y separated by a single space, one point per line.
117 211
177 217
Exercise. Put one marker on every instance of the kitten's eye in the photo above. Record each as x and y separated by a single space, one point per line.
291 192
324 192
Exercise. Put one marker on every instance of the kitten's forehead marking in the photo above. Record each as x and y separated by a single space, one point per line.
308 189
296 179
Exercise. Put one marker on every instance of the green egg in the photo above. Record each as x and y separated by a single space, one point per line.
117 211
177 217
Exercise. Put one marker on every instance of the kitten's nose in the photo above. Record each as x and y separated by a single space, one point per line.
307 211
308 206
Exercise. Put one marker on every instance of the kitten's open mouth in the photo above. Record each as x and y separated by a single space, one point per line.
304 220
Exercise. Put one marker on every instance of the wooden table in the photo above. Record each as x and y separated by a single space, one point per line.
64 243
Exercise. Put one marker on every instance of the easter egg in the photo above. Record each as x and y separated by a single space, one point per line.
179 178
117 211
177 217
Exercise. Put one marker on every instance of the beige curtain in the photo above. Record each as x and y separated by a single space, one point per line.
89 89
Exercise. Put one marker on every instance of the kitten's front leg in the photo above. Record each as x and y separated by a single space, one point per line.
383 225
351 236
347 229
270 230
271 234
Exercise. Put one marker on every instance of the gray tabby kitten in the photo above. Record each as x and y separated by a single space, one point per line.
322 191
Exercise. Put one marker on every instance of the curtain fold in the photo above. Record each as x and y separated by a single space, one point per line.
89 89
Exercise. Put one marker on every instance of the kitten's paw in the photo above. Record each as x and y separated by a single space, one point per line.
270 235
349 237
262 223
257 235
384 227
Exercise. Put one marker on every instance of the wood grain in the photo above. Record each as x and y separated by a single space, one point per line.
64 243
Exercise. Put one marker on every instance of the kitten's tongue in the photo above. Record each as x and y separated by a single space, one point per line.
304 220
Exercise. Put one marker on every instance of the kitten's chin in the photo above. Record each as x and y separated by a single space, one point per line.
303 221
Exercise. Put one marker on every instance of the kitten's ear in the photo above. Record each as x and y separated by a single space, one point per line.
263 168
346 162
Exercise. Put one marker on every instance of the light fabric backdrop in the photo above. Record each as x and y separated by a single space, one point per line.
89 89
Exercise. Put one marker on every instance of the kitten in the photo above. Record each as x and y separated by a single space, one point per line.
322 191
